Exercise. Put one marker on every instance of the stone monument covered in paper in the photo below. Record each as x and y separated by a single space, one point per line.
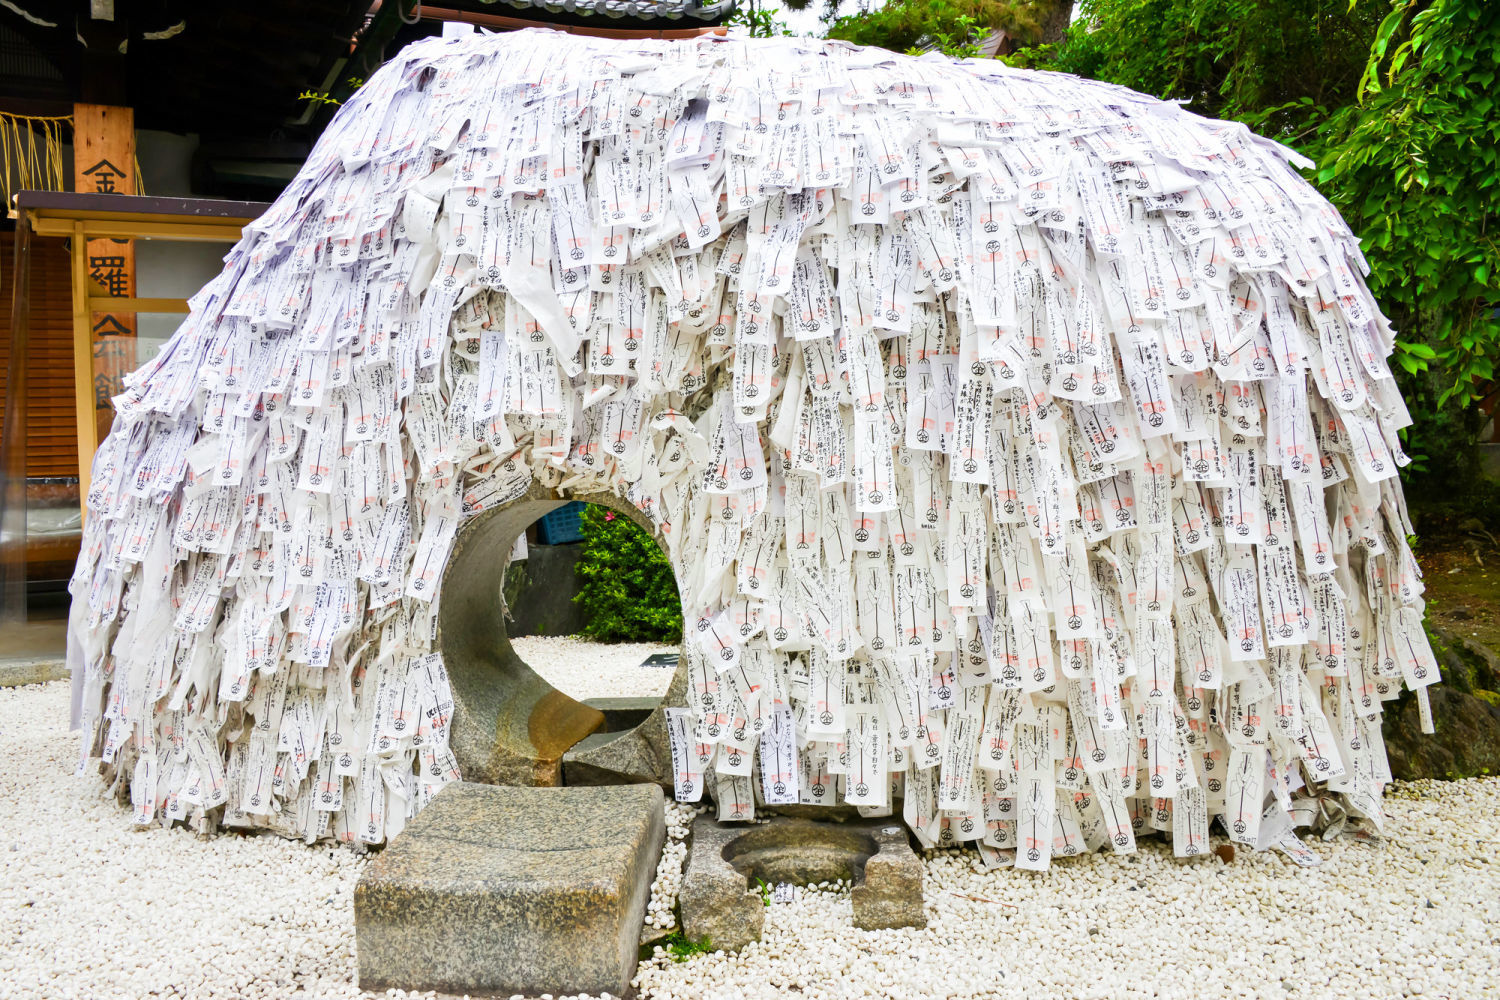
1024 447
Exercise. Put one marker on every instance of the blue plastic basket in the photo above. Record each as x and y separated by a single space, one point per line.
563 526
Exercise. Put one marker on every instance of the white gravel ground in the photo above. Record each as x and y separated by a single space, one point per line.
90 907
583 669
1418 916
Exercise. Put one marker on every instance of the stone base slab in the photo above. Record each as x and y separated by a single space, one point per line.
500 890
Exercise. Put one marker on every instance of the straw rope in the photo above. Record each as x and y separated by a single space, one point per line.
28 160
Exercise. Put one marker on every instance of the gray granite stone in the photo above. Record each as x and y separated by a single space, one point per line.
620 716
715 899
719 898
510 727
40 671
640 755
512 890
890 894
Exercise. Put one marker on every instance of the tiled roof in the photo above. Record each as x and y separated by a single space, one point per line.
635 10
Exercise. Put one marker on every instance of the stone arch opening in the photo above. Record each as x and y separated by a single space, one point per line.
510 726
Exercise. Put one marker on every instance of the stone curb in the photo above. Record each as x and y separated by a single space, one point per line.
24 672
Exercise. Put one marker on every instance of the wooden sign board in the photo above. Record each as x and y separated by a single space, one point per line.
104 163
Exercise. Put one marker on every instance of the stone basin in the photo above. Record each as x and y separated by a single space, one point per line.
720 896
800 851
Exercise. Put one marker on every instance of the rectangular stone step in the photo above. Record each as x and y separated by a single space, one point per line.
509 890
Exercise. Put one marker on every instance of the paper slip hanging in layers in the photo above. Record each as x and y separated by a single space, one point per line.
1024 447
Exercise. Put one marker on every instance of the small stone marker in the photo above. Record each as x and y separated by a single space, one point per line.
512 890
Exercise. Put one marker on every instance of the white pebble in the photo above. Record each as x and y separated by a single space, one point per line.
583 669
95 908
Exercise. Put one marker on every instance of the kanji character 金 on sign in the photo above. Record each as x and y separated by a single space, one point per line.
105 175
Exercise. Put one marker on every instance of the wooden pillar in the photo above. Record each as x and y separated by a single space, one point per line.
13 441
83 365
104 163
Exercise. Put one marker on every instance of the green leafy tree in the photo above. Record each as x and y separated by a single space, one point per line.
759 18
628 589
952 26
1415 169
1278 64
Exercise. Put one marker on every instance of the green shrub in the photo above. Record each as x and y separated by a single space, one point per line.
627 587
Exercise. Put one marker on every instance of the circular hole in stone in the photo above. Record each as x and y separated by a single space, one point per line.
511 725
600 636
